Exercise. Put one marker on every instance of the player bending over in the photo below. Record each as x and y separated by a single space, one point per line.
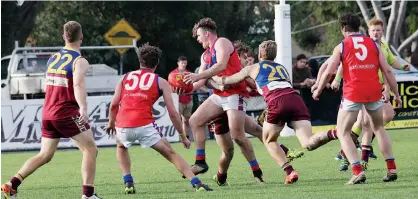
284 104
361 59
223 61
64 114
131 118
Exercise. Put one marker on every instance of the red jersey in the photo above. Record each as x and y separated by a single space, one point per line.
360 60
184 99
59 94
140 91
233 66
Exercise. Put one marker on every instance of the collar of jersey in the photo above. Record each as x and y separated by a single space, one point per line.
353 35
68 48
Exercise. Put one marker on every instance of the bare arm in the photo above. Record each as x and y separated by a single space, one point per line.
333 63
321 70
210 83
238 77
81 68
172 112
114 105
223 49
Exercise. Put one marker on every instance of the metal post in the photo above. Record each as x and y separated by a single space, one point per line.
121 64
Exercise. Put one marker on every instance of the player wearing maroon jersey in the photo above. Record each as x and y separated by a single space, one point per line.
284 105
64 113
361 59
131 119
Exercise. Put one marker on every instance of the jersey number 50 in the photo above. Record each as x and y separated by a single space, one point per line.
142 84
52 68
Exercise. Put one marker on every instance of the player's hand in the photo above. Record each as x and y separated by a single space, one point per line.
110 129
328 85
386 96
84 116
217 79
316 94
186 143
335 85
178 90
192 78
314 87
398 102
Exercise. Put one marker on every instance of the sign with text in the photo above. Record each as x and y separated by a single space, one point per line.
21 123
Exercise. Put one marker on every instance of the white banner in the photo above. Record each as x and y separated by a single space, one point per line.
21 123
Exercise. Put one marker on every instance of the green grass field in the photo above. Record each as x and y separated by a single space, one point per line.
319 176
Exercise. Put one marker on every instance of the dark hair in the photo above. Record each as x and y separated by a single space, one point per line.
350 21
72 31
207 24
181 58
301 56
241 47
149 56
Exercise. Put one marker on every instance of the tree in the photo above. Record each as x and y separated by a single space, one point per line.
157 23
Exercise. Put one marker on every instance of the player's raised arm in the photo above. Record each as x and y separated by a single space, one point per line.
333 63
390 78
79 73
172 112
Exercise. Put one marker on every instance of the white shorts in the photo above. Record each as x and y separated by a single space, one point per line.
147 135
233 102
348 105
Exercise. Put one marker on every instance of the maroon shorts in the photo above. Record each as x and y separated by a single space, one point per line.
63 128
286 108
219 125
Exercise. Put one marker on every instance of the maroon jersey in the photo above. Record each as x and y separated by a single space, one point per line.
59 95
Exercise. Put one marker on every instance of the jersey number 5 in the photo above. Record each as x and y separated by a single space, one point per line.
52 68
358 45
142 84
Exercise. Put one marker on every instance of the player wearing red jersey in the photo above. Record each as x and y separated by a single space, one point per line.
131 119
361 59
284 106
223 60
64 113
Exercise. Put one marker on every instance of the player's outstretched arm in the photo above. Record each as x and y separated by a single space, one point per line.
172 112
388 75
237 77
79 73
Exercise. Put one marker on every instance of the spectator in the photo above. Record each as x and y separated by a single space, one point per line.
186 100
302 75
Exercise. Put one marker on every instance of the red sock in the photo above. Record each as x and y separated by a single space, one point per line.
332 134
343 154
365 151
287 168
88 190
390 164
15 182
357 168
222 177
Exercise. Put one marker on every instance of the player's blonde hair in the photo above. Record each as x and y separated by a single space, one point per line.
268 50
72 31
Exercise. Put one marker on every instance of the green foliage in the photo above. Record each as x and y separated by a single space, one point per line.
157 22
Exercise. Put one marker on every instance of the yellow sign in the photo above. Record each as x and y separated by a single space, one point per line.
122 34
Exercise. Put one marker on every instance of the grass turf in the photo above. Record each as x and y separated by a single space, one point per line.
155 177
